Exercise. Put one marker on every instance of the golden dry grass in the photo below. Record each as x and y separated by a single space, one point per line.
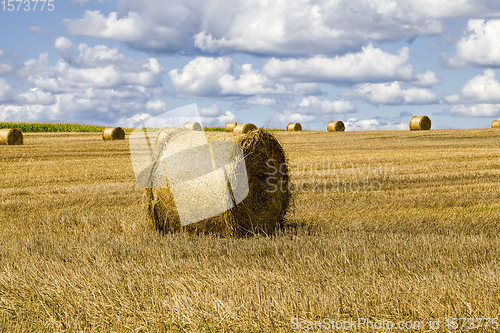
77 255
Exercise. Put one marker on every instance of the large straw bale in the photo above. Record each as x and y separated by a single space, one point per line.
113 133
422 123
495 124
11 136
294 127
244 128
335 126
261 211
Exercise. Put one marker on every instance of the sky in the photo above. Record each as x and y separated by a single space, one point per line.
370 63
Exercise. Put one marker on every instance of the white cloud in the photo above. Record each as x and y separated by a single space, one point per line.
479 97
200 76
2 53
86 68
480 45
89 84
134 121
157 106
212 77
36 97
313 105
427 79
135 29
480 89
250 82
285 117
282 28
391 94
354 124
307 88
369 65
478 110
23 113
35 30
264 101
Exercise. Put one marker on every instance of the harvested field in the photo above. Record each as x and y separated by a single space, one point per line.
393 225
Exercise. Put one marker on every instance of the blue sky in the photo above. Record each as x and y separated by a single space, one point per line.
371 63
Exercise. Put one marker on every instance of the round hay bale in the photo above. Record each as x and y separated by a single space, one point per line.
495 124
335 126
230 126
263 208
113 133
11 136
193 126
294 127
422 123
244 128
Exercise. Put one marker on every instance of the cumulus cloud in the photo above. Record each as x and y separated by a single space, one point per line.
480 45
427 79
200 76
313 105
35 30
369 65
391 94
258 101
133 121
478 110
353 124
88 84
88 68
137 30
281 28
479 97
212 77
284 117
483 88
157 106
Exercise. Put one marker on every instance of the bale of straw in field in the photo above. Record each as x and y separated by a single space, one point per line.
495 124
260 210
193 126
11 136
113 133
294 127
422 123
230 126
335 126
244 128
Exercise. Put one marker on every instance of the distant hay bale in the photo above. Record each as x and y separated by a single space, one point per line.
113 133
422 123
335 126
244 128
495 124
193 126
262 210
11 136
294 127
230 126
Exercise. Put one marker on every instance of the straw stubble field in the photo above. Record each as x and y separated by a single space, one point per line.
76 253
